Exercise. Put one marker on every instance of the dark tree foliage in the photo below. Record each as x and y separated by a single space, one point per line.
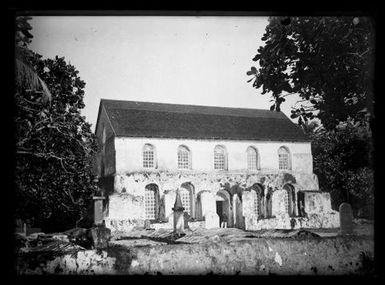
54 143
327 61
343 163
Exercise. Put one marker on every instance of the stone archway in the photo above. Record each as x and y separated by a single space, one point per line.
222 201
301 204
187 191
151 202
198 207
259 203
291 200
238 221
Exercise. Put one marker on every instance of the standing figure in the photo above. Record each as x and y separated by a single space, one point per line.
301 209
224 221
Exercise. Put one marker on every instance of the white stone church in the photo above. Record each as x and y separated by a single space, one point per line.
254 166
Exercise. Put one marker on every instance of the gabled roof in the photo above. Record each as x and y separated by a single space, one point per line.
159 120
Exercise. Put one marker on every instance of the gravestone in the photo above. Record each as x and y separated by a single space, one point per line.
98 209
186 218
346 219
248 198
147 224
169 200
178 215
278 202
211 220
170 220
207 202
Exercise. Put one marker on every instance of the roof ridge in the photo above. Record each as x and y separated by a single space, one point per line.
189 105
197 109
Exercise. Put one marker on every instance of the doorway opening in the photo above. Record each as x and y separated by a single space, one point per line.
222 206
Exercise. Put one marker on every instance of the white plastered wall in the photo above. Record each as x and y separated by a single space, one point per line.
129 154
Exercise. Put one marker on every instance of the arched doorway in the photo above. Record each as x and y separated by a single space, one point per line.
198 207
290 203
238 212
259 201
151 202
222 200
187 193
301 203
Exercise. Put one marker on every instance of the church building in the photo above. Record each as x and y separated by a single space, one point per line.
252 167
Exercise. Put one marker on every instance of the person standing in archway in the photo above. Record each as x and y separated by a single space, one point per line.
224 221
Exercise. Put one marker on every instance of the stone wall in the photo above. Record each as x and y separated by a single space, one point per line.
135 183
127 201
262 256
283 221
317 208
317 202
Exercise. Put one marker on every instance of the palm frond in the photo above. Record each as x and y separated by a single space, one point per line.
28 79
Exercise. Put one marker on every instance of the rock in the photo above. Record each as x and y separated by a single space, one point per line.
57 246
137 242
100 236
36 235
361 221
79 236
147 224
215 238
20 241
305 234
62 237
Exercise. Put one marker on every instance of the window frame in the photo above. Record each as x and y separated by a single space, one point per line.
184 149
290 200
281 160
155 208
224 153
187 206
255 155
145 157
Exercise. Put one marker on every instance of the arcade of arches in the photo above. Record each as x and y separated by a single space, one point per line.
250 202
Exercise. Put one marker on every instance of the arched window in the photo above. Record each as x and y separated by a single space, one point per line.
284 158
186 201
151 201
187 197
220 158
148 156
290 199
269 203
252 158
301 203
259 205
184 157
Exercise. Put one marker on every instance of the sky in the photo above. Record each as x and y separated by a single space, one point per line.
167 59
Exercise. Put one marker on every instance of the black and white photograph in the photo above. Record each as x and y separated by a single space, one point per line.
188 144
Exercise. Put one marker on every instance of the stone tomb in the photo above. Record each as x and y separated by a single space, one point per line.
178 209
211 220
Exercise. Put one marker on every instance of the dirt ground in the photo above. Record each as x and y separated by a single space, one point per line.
141 237
219 251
